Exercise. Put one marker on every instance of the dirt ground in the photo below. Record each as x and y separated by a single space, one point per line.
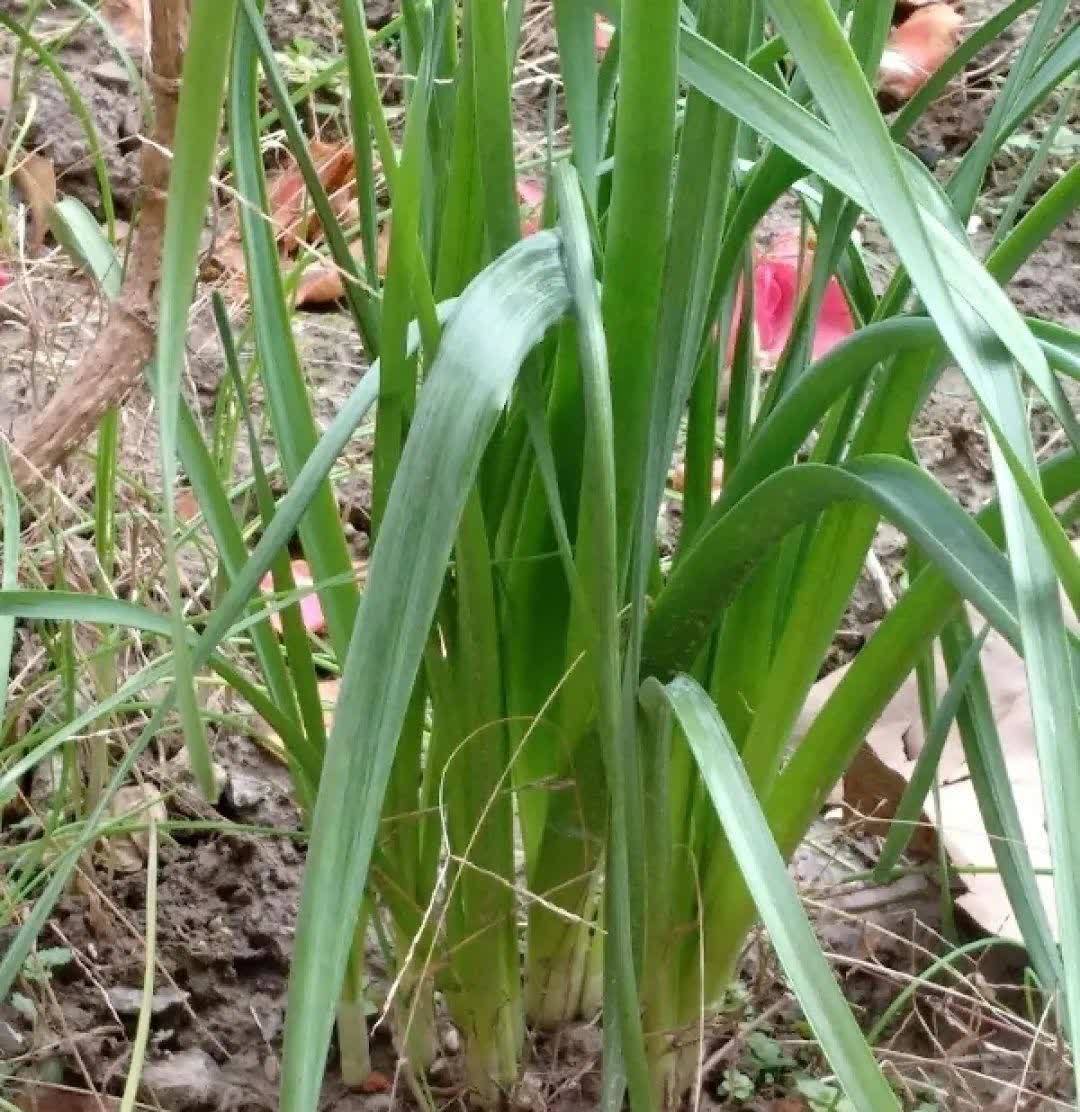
227 904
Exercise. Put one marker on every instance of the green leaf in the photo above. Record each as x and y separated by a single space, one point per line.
198 116
77 230
709 576
501 315
771 888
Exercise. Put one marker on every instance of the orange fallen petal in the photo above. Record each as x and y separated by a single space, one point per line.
375 1082
916 50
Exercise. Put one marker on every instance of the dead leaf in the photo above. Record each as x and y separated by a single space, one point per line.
290 209
883 767
140 803
375 1082
328 696
35 178
127 19
678 478
324 284
187 505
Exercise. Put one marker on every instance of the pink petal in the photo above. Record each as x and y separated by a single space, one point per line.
531 195
603 35
5 278
310 608
834 322
776 295
531 191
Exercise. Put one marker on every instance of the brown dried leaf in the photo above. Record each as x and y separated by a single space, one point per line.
290 210
127 19
35 177
324 284
876 780
140 802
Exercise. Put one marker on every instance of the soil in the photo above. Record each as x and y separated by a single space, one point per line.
227 902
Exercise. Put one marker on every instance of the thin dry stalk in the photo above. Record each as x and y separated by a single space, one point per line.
115 361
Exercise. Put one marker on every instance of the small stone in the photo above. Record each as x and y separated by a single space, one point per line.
112 73
439 1072
128 1001
245 792
185 1079
451 1039
529 1094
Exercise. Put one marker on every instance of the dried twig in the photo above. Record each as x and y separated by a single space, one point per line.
114 363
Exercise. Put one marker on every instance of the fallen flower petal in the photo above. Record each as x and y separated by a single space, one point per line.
603 35
916 50
781 278
531 194
311 611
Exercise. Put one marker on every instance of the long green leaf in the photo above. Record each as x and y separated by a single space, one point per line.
198 117
500 317
767 878
716 567
817 41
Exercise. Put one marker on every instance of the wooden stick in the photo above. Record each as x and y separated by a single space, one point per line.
115 361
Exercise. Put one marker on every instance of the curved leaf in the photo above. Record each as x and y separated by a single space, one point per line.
72 606
710 575
773 892
501 315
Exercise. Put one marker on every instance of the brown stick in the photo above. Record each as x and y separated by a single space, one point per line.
115 361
